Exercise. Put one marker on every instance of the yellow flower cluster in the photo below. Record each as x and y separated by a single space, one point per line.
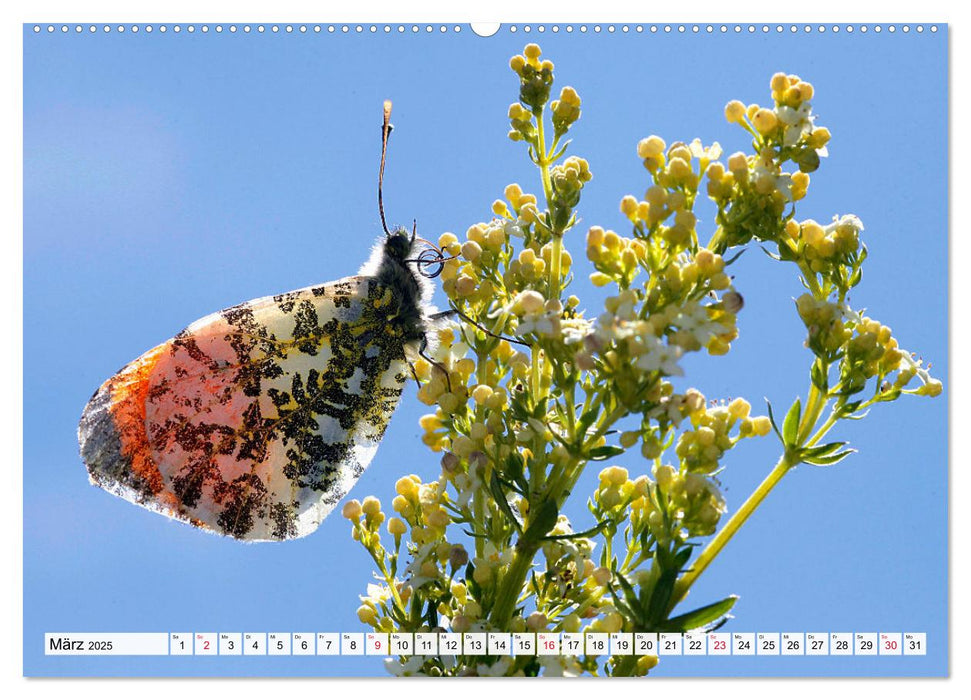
370 509
567 179
701 449
535 75
789 121
448 378
566 110
423 507
521 121
755 181
529 267
825 322
872 350
651 150
464 611
789 90
374 609
616 489
824 249
678 173
615 257
694 501
753 192
632 348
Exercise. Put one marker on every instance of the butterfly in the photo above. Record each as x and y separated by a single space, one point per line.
255 421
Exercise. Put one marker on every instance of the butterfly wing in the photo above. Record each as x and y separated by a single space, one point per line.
254 421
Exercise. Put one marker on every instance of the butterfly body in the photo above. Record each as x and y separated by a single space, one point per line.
255 421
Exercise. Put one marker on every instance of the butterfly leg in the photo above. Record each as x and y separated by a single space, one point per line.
414 374
455 312
433 363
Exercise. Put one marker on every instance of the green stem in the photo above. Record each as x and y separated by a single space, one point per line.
811 281
534 369
511 585
542 155
544 165
814 407
558 487
569 392
821 433
478 520
389 578
556 273
562 481
724 536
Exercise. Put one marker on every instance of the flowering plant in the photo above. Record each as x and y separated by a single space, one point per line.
530 396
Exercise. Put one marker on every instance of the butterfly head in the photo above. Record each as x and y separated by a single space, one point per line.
399 244
428 259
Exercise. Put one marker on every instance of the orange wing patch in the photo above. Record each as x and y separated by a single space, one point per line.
128 392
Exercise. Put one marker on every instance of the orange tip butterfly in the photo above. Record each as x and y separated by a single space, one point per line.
255 421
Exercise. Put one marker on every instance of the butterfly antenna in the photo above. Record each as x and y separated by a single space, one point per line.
386 129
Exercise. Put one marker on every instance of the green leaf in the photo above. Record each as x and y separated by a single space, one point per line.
736 257
586 420
790 427
671 566
562 150
766 251
628 589
702 616
787 255
623 602
832 459
561 216
397 616
598 454
514 466
820 450
772 420
500 498
540 590
682 557
819 376
517 408
544 521
661 596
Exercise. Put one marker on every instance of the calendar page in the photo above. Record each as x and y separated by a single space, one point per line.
546 349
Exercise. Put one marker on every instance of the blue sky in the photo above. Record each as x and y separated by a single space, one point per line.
168 176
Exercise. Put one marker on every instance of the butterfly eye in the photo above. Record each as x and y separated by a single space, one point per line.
429 258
